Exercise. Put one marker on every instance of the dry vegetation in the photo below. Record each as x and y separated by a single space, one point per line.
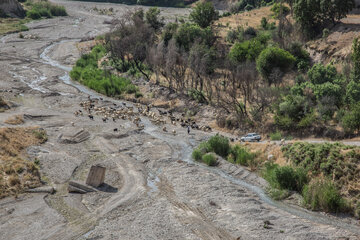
244 19
15 120
16 172
3 105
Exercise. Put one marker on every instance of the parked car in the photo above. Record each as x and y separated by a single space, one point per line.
251 137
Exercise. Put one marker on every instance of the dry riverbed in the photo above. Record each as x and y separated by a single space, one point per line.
153 189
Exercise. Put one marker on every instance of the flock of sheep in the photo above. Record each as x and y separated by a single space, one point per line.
113 112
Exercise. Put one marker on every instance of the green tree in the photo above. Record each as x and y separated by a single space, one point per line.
188 33
351 120
247 50
273 58
152 18
279 10
320 74
313 15
356 59
204 14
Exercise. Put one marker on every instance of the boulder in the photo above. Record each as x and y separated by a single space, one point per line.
78 187
12 8
96 176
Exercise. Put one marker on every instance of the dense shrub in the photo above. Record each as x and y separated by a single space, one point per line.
241 155
44 9
87 73
197 155
188 33
323 195
152 17
290 178
279 10
292 110
248 50
274 58
320 74
209 159
204 14
286 178
220 145
351 119
276 136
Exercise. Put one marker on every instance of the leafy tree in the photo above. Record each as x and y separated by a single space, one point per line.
353 92
356 59
204 14
351 120
320 74
188 33
247 50
313 15
273 58
169 31
152 18
279 10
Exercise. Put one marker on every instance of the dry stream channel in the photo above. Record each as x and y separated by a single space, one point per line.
174 192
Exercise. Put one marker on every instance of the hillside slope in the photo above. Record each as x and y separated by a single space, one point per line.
12 8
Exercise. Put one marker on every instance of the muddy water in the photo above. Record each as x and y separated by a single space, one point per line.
183 151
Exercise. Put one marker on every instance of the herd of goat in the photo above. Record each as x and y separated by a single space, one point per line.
113 112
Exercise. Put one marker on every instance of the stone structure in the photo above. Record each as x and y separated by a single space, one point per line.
12 8
96 176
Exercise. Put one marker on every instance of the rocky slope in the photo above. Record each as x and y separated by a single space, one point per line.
12 8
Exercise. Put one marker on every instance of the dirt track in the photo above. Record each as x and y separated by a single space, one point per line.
153 189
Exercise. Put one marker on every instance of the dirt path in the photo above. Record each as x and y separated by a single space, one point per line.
154 190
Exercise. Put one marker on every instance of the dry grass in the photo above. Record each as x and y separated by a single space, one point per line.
268 149
17 173
15 120
11 25
245 19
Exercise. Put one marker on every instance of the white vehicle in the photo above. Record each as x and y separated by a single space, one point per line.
251 137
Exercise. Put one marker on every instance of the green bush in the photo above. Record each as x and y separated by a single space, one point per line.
247 50
273 58
279 10
87 73
290 178
285 178
351 120
197 95
44 9
241 155
276 136
323 195
320 74
197 155
204 14
209 159
220 145
33 14
188 33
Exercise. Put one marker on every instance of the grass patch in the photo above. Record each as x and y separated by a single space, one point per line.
44 9
323 195
12 25
285 178
87 72
276 136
